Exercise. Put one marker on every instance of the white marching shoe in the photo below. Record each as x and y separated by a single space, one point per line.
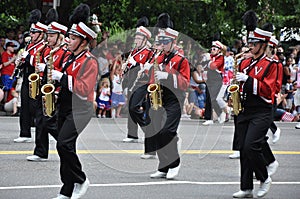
235 155
264 188
208 122
80 189
172 173
158 174
148 156
272 168
243 194
35 158
22 140
276 135
130 140
60 196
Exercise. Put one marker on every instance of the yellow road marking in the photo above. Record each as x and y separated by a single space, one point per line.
141 151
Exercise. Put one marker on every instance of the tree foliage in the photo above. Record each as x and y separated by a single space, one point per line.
203 20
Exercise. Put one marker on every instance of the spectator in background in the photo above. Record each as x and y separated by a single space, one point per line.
103 99
8 66
117 96
11 37
2 44
11 104
103 63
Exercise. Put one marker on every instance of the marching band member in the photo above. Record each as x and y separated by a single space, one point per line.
258 79
214 81
75 107
173 74
55 38
29 56
136 60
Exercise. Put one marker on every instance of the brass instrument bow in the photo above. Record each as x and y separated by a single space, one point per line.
234 88
48 98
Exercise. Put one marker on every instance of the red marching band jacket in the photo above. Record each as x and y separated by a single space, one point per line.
279 75
178 69
260 87
81 76
140 56
217 62
58 55
33 49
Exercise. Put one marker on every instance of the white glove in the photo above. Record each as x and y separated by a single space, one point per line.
147 66
56 75
161 75
132 61
24 54
41 66
241 77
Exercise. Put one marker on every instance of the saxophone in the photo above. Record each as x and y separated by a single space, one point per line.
34 78
155 91
48 98
234 88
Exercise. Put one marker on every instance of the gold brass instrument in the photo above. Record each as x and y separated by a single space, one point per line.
234 88
155 92
48 98
34 78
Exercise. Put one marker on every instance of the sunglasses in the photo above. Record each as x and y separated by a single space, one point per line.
213 48
165 42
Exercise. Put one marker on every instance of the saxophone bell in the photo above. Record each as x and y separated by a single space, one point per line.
48 99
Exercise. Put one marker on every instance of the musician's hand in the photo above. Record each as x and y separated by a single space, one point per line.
24 54
161 75
241 77
147 66
132 61
41 67
56 75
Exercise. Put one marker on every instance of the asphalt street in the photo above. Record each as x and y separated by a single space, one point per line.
116 170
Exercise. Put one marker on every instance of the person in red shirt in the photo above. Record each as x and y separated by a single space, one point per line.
8 66
173 75
75 106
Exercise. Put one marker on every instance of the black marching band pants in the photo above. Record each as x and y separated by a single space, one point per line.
166 139
252 128
132 127
70 124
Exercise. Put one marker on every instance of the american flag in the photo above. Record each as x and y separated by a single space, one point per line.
287 117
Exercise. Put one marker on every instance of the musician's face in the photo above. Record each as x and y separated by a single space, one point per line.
75 41
35 36
139 41
166 45
256 48
214 50
52 39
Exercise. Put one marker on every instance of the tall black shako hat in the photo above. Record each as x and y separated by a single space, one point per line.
53 25
34 21
51 16
79 19
143 21
163 21
255 34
